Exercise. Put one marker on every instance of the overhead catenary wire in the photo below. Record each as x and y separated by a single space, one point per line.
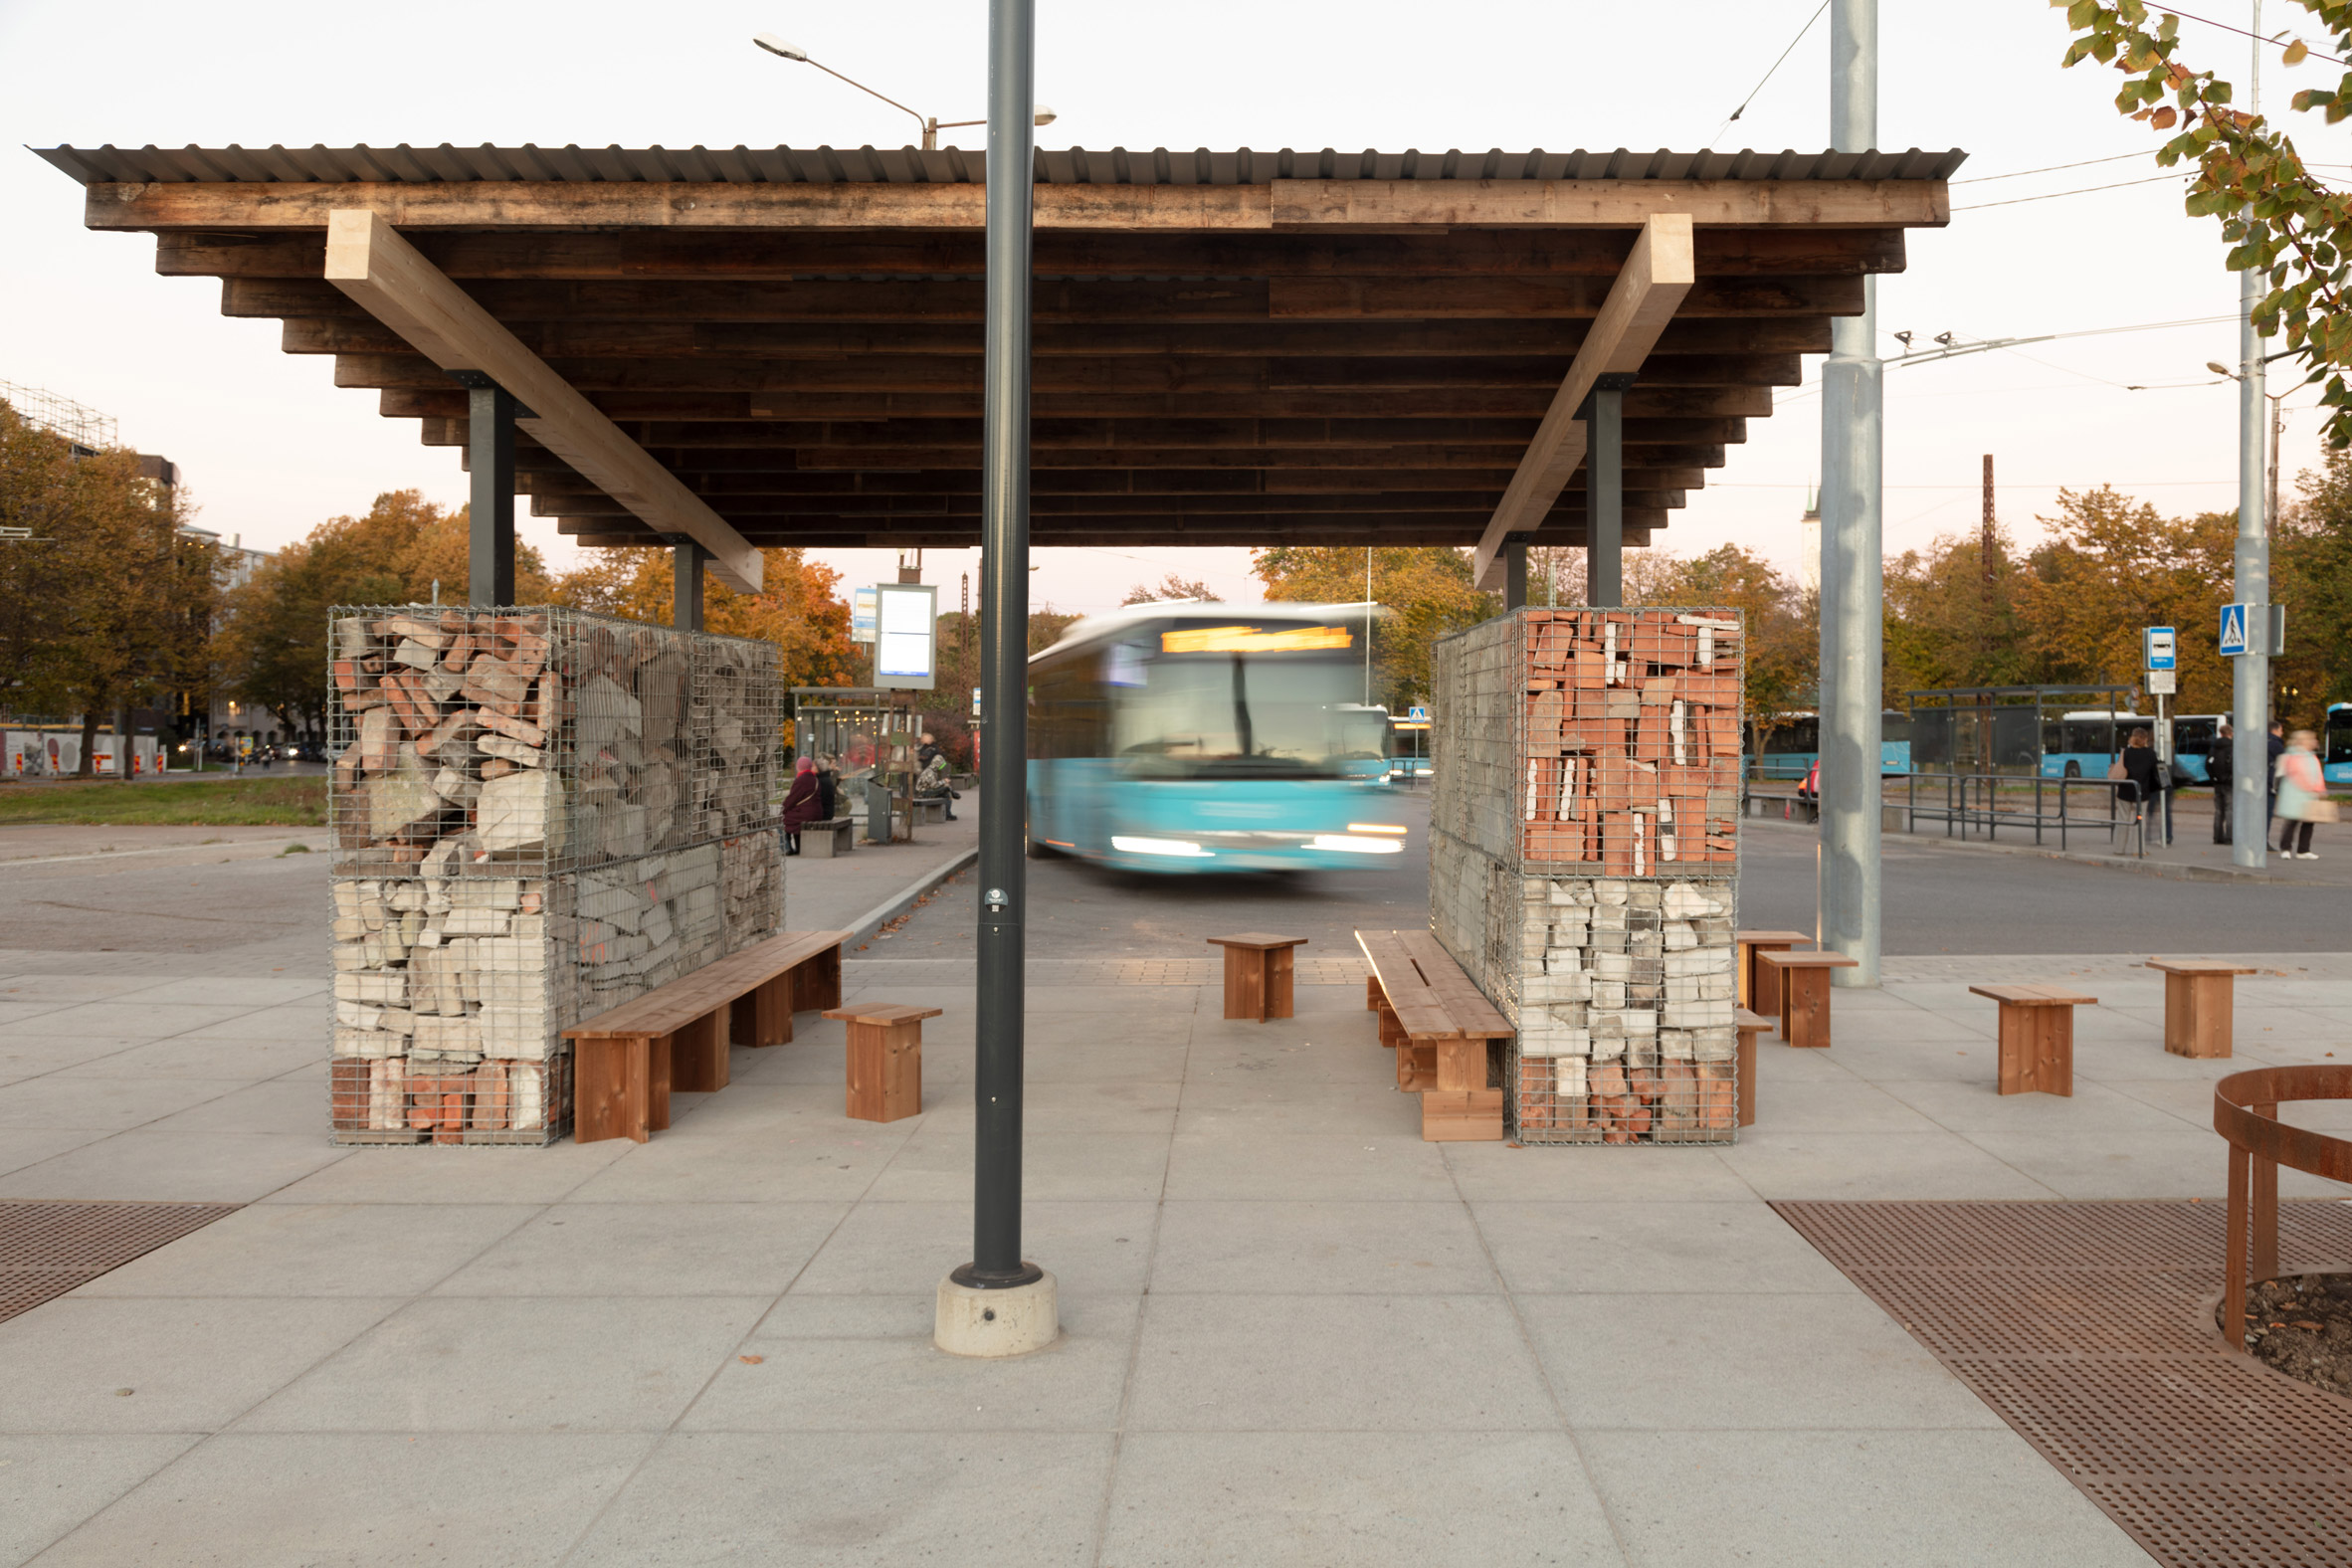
1767 77
2154 179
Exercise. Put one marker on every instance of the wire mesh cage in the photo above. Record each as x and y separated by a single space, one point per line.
1585 842
537 813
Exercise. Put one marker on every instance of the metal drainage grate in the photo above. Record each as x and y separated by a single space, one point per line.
47 1249
2089 1328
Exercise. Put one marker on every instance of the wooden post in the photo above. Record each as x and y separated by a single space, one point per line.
2234 1273
2262 1211
884 1076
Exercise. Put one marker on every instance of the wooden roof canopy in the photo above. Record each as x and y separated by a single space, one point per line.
1232 348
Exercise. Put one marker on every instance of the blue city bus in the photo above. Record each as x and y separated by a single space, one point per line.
2192 736
2083 743
1205 737
1793 744
2335 745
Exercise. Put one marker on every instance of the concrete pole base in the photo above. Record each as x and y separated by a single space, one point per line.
1008 1322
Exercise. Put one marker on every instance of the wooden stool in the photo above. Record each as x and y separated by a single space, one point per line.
1752 982
885 1058
1749 1025
2198 1003
2036 1037
1256 974
1802 981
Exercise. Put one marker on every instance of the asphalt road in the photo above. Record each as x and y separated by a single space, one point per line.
170 902
1936 902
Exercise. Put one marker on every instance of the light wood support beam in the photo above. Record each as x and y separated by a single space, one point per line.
369 261
1656 278
1295 205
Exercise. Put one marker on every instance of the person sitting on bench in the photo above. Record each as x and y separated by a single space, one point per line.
803 804
931 783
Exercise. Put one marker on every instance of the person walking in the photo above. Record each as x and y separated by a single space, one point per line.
2301 797
2271 786
801 802
2220 770
2147 781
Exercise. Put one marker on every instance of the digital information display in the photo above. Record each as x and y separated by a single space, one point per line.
905 639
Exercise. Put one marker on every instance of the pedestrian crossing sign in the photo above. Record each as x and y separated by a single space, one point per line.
2233 619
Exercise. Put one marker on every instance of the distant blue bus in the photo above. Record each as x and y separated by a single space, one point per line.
2335 746
2192 736
1793 744
2085 744
1206 738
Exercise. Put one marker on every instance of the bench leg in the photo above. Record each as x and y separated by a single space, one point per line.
2197 1015
771 1013
1280 971
1806 1008
1764 981
885 1071
1372 996
816 982
612 1091
1748 1077
1461 1065
698 1054
1244 984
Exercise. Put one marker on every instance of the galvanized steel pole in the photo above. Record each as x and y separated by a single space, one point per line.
2250 674
1004 648
1851 584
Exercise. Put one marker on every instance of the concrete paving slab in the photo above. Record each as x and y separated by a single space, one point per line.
635 1248
903 1315
14 1012
1746 1362
2165 1158
50 1484
1133 1109
272 1500
285 1106
426 1175
306 1021
1980 1107
189 1056
866 1383
22 1146
1650 1173
856 1501
1335 1363
289 1250
34 1055
935 1164
103 1104
1848 1499
1267 1108
58 990
146 1166
1873 1165
520 1364
1308 1165
1651 1249
126 1019
1379 1247
905 1248
803 1164
190 1364
1305 1500
234 991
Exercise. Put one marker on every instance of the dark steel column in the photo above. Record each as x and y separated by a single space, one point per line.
1604 490
489 453
686 612
1004 647
1515 575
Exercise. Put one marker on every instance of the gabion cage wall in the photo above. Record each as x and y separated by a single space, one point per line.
1583 861
537 814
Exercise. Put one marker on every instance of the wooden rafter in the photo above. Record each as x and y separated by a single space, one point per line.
368 260
1640 305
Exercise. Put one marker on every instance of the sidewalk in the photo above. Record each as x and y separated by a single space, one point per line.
874 883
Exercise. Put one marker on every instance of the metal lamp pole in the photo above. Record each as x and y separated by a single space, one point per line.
1853 585
999 1304
2250 674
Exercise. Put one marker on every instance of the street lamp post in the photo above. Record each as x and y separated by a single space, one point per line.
931 124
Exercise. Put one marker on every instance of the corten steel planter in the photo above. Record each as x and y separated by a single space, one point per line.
2246 1112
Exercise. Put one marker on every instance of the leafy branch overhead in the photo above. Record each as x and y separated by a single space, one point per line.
2278 218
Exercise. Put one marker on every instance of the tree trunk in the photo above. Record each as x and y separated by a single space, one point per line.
88 767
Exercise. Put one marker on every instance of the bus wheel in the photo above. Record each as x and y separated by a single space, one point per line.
2073 770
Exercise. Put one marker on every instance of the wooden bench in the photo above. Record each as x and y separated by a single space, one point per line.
1753 983
2198 1003
2037 1035
1802 981
1440 1028
885 1067
828 837
1749 1025
675 1037
1258 974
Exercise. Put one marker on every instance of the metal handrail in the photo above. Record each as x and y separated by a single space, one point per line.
1971 801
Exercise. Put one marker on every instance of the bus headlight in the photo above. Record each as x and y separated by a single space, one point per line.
1376 827
1181 848
1353 843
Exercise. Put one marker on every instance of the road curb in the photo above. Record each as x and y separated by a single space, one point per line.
872 920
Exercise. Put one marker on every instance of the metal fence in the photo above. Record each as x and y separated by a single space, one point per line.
1969 805
537 814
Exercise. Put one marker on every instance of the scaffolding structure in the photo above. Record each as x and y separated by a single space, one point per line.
79 423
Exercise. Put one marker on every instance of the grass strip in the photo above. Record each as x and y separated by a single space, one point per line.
230 801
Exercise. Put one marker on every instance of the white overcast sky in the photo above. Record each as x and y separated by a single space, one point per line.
270 447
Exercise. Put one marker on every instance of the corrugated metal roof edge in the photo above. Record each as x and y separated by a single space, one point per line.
278 164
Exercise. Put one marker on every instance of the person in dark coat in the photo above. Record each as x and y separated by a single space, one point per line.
2220 769
2270 769
2147 780
802 804
828 787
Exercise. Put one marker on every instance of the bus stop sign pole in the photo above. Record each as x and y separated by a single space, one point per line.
999 1304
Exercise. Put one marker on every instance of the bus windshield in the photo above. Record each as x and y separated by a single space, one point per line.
2339 733
1208 716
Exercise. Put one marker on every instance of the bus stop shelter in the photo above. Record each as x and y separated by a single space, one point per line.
721 349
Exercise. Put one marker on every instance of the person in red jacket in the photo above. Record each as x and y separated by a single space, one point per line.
802 803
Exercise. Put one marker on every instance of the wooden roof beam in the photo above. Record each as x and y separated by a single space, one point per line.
1656 278
371 262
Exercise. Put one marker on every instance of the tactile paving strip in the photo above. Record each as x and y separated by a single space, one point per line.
47 1249
2085 1327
